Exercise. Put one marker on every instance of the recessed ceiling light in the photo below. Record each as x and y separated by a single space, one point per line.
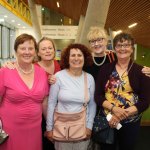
132 25
12 20
18 24
5 16
58 4
119 31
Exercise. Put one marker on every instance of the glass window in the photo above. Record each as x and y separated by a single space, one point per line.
12 40
50 17
5 42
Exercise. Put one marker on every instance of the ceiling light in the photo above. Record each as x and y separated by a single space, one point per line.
12 20
42 9
58 4
132 25
1 20
5 16
69 21
119 31
18 24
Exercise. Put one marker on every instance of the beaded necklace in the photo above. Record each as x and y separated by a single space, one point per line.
25 72
101 62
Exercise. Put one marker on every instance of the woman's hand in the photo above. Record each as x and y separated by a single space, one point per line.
51 79
120 113
132 110
49 135
9 64
88 133
146 71
114 121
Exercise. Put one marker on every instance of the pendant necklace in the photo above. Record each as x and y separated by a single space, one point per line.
101 62
25 72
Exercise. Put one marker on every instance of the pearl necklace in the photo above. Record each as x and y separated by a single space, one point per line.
25 72
101 62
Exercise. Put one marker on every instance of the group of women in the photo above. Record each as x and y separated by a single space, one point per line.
31 89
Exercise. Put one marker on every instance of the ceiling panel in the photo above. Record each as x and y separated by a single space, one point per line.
125 12
121 14
70 8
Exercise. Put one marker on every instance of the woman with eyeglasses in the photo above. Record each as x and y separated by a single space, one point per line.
98 43
123 91
98 40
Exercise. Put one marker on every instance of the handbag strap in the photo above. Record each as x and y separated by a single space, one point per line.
86 97
1 127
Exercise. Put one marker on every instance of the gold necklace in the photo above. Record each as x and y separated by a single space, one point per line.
25 72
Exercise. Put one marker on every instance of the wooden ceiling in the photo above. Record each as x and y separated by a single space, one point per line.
121 14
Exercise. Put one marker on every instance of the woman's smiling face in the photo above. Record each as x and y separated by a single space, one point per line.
76 59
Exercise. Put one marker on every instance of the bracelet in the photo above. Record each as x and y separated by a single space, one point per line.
112 108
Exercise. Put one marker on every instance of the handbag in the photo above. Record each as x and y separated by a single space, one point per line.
71 126
102 133
3 135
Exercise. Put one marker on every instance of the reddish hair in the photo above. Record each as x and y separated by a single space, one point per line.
64 62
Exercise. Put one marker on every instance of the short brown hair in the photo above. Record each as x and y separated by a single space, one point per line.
64 62
123 37
22 38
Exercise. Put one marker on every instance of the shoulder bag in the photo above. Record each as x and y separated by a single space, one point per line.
71 126
102 132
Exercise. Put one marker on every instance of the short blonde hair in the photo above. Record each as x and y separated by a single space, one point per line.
97 32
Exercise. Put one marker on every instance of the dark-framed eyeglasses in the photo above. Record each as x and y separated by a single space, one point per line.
94 41
119 46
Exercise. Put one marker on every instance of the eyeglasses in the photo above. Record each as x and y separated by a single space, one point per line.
118 46
98 40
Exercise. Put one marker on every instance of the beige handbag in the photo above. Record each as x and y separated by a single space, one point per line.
71 126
